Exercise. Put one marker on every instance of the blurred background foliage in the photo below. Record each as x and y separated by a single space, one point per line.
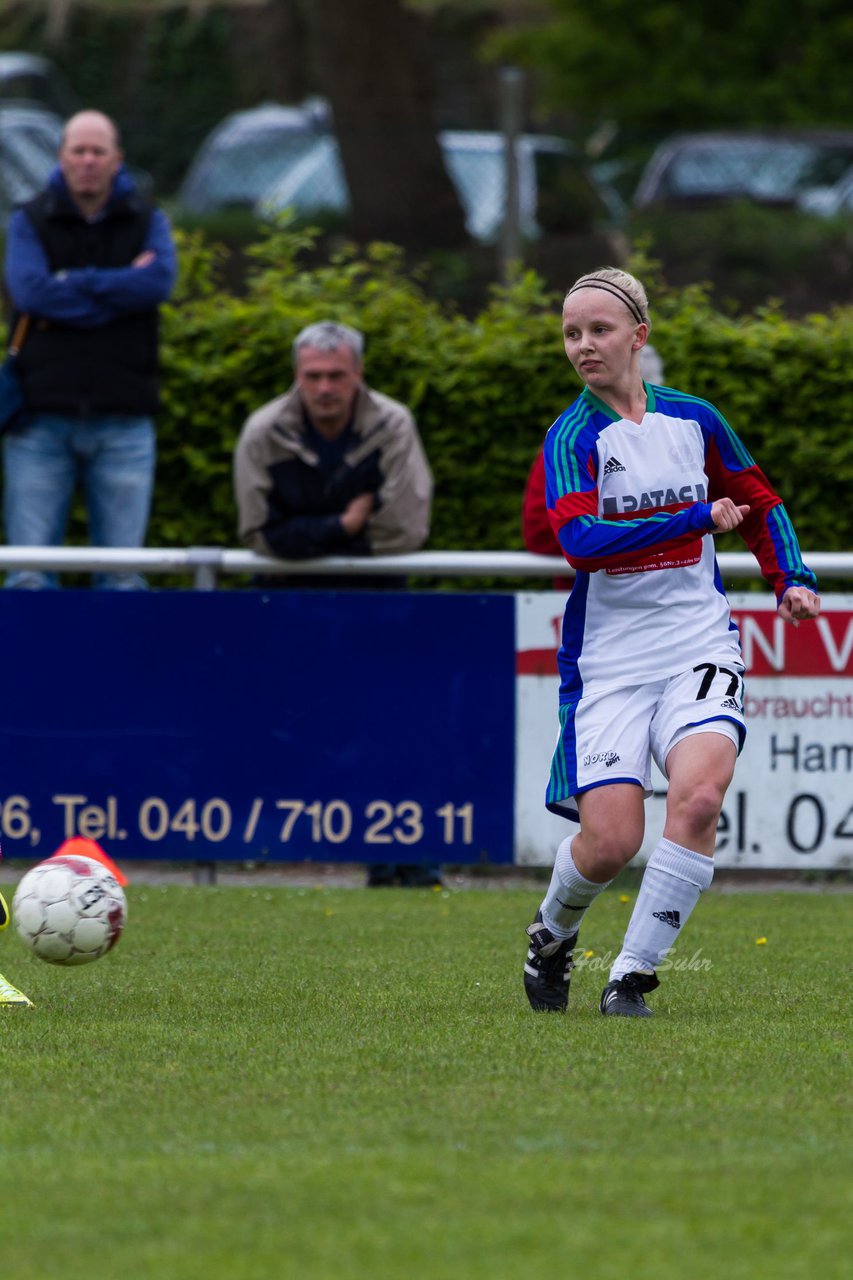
484 388
751 304
614 78
633 73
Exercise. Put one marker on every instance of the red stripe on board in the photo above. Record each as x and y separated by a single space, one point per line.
536 662
771 647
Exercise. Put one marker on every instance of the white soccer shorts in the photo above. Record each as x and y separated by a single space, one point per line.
612 734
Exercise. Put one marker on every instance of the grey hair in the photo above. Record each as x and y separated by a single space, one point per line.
621 285
328 335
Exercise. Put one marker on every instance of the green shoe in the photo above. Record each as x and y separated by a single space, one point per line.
10 994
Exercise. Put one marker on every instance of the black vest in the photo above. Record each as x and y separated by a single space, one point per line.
109 369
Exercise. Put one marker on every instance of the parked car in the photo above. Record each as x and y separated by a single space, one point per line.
29 140
772 168
830 201
557 192
247 152
33 78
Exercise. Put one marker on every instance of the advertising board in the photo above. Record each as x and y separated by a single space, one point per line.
385 726
259 725
791 802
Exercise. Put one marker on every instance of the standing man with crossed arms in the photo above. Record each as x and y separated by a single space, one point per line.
89 260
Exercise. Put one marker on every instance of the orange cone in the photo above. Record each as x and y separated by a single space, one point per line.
81 848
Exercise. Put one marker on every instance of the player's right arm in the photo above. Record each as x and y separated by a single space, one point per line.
589 541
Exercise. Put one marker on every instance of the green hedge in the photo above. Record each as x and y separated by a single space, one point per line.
751 252
785 386
483 389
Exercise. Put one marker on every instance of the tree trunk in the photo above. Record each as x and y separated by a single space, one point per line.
56 23
370 63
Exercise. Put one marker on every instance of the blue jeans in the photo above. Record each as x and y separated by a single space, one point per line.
111 455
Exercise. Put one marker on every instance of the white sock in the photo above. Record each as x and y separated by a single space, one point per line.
569 894
673 879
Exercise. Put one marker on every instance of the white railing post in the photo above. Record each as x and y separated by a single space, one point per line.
207 564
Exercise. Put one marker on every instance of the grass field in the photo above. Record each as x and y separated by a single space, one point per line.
341 1083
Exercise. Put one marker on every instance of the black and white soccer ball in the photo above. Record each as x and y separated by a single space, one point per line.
69 910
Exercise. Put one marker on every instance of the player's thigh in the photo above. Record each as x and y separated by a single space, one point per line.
612 820
700 768
701 762
705 702
603 741
696 734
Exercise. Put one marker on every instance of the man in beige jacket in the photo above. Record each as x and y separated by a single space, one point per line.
331 467
335 468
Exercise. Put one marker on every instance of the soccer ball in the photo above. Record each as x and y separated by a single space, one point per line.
69 910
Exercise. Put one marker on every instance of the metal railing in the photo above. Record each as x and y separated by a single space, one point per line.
205 565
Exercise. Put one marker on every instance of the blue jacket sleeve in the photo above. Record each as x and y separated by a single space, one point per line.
90 296
126 289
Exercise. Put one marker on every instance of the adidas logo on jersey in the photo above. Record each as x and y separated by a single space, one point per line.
612 466
672 918
731 704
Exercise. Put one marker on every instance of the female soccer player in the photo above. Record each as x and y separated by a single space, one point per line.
637 477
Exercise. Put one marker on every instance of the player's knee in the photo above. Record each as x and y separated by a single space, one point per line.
610 853
698 808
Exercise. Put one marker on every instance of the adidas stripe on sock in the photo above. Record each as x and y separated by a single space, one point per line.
569 894
673 879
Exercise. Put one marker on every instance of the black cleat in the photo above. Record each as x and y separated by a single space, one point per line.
623 998
548 968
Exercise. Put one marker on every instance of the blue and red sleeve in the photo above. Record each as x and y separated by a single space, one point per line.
767 530
588 541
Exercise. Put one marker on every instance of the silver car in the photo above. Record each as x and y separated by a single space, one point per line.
830 201
557 192
29 141
247 152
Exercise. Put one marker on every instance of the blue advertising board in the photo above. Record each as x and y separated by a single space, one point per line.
254 725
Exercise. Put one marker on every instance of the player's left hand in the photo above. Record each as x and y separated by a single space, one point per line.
797 603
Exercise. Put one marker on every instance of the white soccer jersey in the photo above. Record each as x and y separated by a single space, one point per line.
631 505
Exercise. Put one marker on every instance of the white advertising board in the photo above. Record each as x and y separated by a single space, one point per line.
791 803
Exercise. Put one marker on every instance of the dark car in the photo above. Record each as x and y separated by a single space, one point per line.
29 77
766 167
